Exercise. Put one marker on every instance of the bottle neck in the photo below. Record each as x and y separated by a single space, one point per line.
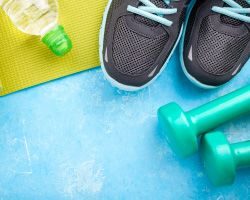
48 28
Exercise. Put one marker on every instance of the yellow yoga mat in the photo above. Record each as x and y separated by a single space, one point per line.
25 61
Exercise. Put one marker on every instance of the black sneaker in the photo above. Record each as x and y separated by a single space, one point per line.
216 44
137 39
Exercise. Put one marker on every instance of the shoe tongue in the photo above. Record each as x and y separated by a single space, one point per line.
149 22
231 21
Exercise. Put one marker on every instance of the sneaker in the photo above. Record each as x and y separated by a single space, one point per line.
216 43
137 39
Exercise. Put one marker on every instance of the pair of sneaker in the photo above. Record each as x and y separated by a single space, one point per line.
138 38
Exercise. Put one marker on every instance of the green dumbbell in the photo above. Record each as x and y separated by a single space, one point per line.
221 159
183 128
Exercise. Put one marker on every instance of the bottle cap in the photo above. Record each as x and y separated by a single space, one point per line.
58 41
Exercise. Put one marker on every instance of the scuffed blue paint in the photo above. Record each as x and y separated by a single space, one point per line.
79 138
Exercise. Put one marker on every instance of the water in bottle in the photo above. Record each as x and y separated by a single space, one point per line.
39 17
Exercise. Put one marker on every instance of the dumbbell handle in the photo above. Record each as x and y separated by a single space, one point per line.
221 110
241 153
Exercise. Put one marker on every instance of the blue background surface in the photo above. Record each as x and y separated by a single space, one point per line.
80 138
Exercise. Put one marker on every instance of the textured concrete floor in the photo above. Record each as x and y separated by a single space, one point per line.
79 138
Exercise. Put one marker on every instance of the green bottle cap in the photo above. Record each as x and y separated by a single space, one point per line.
58 41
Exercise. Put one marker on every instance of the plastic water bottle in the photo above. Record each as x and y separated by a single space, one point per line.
39 17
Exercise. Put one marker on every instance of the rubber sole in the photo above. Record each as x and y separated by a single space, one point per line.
108 77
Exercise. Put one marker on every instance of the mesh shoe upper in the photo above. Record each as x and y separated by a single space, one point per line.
134 53
216 46
218 52
135 48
